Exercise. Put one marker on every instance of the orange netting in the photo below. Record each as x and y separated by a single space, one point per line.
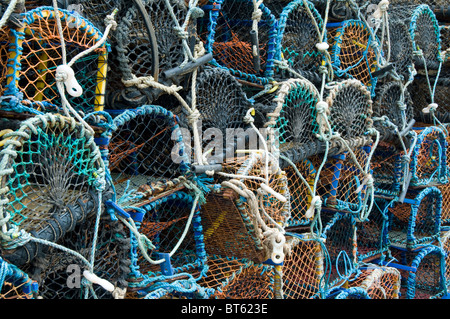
356 54
238 279
42 54
303 270
379 282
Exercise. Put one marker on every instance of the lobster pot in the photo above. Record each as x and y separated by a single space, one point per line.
371 234
222 105
234 278
416 222
339 233
303 268
297 39
350 58
388 170
393 101
14 283
229 36
146 152
420 93
173 225
428 165
52 177
350 112
232 222
294 120
36 53
422 273
423 31
372 282
341 183
58 272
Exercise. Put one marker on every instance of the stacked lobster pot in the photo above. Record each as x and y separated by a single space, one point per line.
230 149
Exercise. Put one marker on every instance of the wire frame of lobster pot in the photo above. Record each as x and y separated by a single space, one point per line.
303 270
423 272
428 163
353 52
234 278
15 284
416 221
172 224
146 153
371 282
297 39
36 52
229 35
230 220
52 174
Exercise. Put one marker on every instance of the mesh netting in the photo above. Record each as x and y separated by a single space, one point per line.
350 110
299 192
51 184
298 37
294 118
233 278
4 48
222 104
387 169
234 222
400 48
416 221
33 66
379 282
173 225
227 36
394 103
371 235
353 53
446 248
341 182
59 273
424 33
422 98
303 270
341 244
14 283
145 148
428 159
425 279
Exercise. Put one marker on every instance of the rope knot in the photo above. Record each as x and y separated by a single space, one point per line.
109 20
257 14
322 107
430 108
193 117
65 74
